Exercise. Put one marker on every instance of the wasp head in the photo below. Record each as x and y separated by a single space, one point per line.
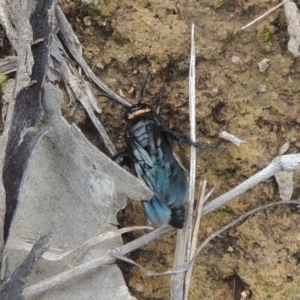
137 110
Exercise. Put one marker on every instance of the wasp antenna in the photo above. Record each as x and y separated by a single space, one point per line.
160 100
143 86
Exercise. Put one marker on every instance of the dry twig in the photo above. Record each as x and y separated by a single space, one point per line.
16 243
241 219
290 162
84 268
201 201
265 14
72 43
183 242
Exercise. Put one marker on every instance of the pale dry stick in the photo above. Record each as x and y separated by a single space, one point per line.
193 164
8 65
188 275
183 240
265 14
16 243
72 43
196 229
240 219
289 162
78 86
82 269
12 288
176 270
231 138
187 265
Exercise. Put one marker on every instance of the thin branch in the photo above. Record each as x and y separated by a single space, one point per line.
138 243
265 14
183 242
201 201
240 219
80 89
84 268
193 164
290 162
231 138
17 243
72 43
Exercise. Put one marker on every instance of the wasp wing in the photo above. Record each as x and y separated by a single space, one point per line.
153 161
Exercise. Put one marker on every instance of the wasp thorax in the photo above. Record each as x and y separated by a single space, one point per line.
137 110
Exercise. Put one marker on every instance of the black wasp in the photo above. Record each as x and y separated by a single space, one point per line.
149 153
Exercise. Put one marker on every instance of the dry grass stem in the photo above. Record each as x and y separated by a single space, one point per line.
265 14
202 199
176 270
72 43
289 162
231 138
84 268
183 242
240 219
17 243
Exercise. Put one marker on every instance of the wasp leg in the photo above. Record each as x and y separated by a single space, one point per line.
183 138
123 158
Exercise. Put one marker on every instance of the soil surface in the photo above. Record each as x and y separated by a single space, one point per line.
121 41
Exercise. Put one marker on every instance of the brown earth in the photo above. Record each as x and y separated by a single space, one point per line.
122 41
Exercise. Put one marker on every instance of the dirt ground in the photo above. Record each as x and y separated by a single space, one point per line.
121 41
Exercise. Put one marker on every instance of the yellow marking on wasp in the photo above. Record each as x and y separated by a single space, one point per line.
139 112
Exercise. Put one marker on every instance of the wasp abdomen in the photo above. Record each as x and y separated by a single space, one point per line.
177 217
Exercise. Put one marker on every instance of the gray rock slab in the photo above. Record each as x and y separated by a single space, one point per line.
75 191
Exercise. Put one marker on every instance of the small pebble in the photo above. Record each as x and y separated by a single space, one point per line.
264 65
99 66
209 230
87 21
285 183
275 96
229 249
244 295
284 148
140 287
121 93
236 60
215 90
261 88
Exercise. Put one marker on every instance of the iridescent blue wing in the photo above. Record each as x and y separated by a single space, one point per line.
157 211
153 162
